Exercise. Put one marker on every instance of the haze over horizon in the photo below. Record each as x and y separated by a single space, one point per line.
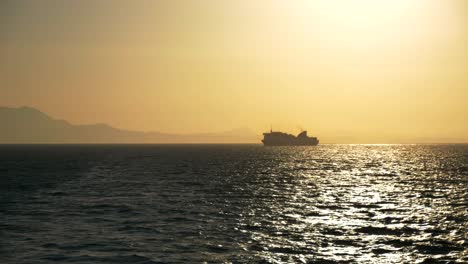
359 71
27 125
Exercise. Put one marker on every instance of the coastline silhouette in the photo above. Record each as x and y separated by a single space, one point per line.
27 125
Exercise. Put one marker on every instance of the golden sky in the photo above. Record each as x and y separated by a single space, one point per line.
349 71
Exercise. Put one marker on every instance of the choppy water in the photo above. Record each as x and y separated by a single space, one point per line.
234 203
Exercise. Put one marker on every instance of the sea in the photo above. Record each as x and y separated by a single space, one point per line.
233 204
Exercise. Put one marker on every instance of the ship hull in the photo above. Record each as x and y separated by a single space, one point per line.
266 143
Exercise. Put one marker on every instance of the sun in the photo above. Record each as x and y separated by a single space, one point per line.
367 24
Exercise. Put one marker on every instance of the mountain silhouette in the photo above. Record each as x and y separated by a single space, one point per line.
26 125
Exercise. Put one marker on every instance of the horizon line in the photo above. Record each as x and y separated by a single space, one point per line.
227 143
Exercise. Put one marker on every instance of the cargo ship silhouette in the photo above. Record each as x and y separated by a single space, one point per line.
284 139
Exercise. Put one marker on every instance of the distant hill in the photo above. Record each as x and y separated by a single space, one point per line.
28 125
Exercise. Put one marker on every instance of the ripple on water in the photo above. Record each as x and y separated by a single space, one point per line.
241 204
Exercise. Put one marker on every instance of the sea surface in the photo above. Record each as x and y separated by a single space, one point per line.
233 204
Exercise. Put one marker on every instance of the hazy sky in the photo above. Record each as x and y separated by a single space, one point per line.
346 70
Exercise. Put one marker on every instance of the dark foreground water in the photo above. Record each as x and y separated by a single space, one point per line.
234 203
